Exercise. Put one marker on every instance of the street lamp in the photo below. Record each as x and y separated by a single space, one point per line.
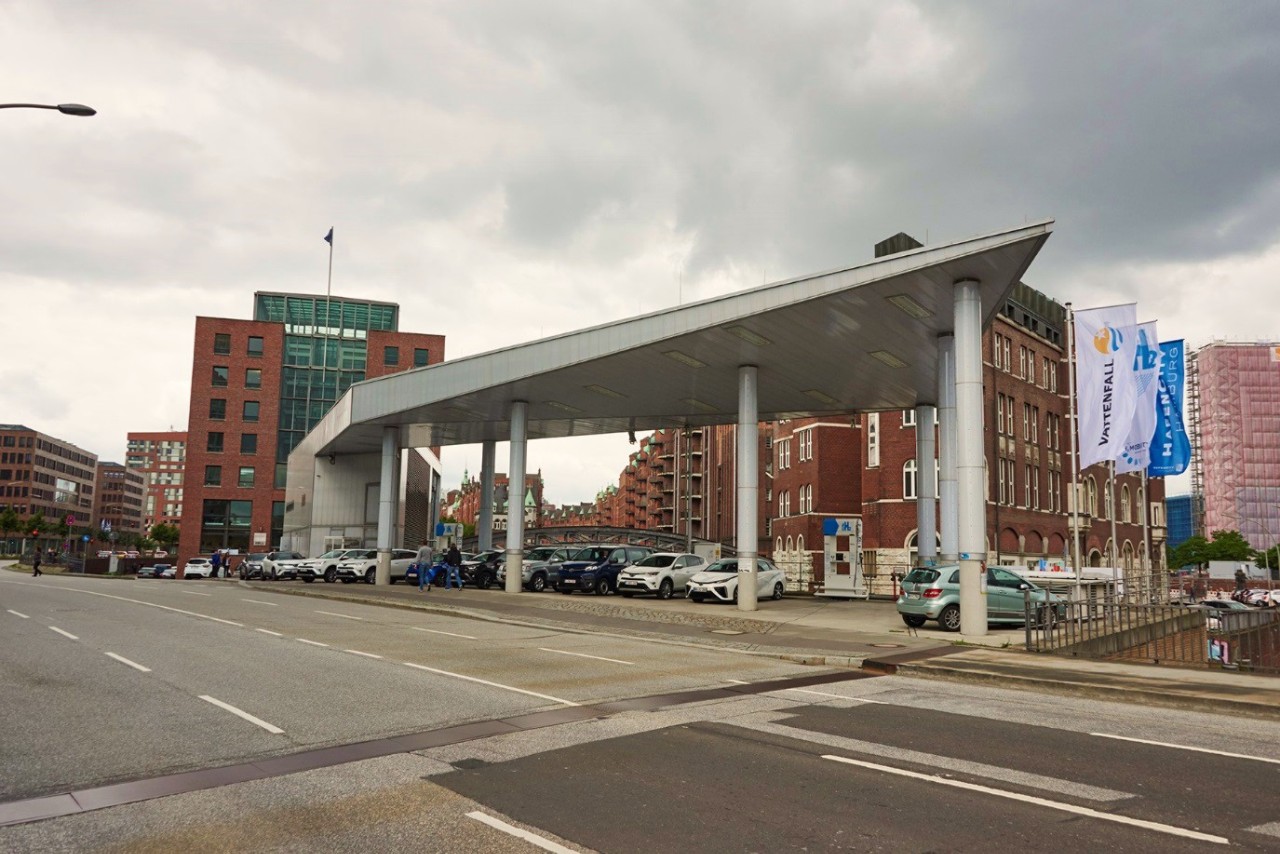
65 109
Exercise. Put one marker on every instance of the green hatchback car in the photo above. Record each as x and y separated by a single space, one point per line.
933 593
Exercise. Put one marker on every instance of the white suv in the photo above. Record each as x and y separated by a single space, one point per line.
326 566
662 574
364 565
198 567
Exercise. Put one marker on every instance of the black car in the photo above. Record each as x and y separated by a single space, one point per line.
251 566
482 570
594 569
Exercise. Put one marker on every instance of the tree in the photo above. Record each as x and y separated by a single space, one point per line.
165 535
1194 551
35 525
9 522
1230 545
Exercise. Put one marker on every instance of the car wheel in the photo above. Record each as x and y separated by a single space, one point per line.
949 618
915 621
538 583
483 580
371 576
602 586
665 589
777 591
330 574
696 597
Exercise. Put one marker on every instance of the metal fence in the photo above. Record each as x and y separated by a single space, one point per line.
1185 635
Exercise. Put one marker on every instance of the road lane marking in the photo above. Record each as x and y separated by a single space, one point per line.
492 684
194 593
313 643
520 833
1187 747
1032 799
836 696
1270 829
260 602
269 632
150 605
343 616
584 655
271 728
438 632
365 654
18 614
135 665
737 682
64 634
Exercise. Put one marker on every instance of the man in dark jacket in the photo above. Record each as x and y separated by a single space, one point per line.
453 560
35 565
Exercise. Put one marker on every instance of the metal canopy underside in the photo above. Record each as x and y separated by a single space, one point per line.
827 343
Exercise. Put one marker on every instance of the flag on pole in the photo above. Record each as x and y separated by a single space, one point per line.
1170 447
328 238
1106 343
1146 375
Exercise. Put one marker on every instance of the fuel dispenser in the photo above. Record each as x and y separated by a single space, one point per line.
842 558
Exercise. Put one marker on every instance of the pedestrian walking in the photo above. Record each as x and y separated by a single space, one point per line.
426 557
35 565
453 565
216 562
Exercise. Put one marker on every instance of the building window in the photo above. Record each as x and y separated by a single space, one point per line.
255 345
1031 366
999 413
909 479
1008 362
246 476
420 357
217 409
390 356
214 445
248 443
222 344
1035 425
251 410
995 349
221 373
908 418
1124 503
1026 421
253 377
873 439
1026 485
213 475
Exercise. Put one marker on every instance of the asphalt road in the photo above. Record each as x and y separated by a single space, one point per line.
885 763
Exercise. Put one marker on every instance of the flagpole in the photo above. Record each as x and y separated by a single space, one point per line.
1075 452
1115 561
1146 542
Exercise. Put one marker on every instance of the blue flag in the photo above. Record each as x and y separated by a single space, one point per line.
1170 447
328 238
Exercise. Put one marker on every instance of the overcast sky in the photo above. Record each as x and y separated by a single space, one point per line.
514 170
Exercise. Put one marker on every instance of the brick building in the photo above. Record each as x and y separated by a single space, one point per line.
258 386
118 500
161 459
41 474
463 504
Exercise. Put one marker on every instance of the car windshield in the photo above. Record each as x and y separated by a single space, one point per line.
922 576
540 553
657 560
723 566
256 557
334 553
593 554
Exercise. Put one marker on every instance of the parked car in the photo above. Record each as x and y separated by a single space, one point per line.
154 571
198 567
933 593
540 568
662 574
105 554
278 565
719 581
251 566
482 569
1216 620
364 566
167 570
595 569
325 566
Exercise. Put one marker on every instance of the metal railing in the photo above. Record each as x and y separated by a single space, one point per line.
1185 635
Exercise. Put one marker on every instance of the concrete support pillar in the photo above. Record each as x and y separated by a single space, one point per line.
970 472
748 467
926 487
948 516
484 524
387 503
515 490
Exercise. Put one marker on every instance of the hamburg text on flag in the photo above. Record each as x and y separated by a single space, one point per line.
1106 345
1146 374
1170 447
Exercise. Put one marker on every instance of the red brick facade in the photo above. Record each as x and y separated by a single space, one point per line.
161 459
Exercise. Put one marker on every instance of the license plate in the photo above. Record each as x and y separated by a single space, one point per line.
913 595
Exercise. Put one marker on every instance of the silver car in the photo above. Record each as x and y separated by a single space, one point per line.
661 574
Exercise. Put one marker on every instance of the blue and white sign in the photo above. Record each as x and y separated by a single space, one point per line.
1170 446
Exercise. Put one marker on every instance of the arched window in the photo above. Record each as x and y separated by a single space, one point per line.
1106 500
909 479
800 543
777 546
1124 503
1091 496
788 544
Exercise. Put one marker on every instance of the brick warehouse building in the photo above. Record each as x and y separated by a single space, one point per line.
46 475
258 386
161 459
119 499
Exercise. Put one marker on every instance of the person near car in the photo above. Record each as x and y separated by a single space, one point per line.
1241 579
35 565
453 564
215 561
426 556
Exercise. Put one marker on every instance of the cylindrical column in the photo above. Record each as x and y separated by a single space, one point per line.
948 502
386 503
748 466
970 473
484 524
515 496
926 488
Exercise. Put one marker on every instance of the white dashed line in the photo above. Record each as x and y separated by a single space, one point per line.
194 593
271 728
492 684
837 696
1187 747
520 833
365 654
737 682
18 614
269 632
1271 829
343 616
438 632
150 605
260 602
64 634
313 643
1032 799
135 665
584 655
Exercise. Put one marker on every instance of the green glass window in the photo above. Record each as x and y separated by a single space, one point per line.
213 475
420 357
218 409
222 343
214 445
390 355
255 345
246 476
252 377
221 373
248 443
251 410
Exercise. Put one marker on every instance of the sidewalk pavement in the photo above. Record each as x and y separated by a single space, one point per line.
840 633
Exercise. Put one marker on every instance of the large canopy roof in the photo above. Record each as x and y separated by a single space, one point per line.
856 339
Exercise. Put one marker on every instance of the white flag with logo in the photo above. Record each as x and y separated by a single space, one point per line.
1106 343
1146 376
